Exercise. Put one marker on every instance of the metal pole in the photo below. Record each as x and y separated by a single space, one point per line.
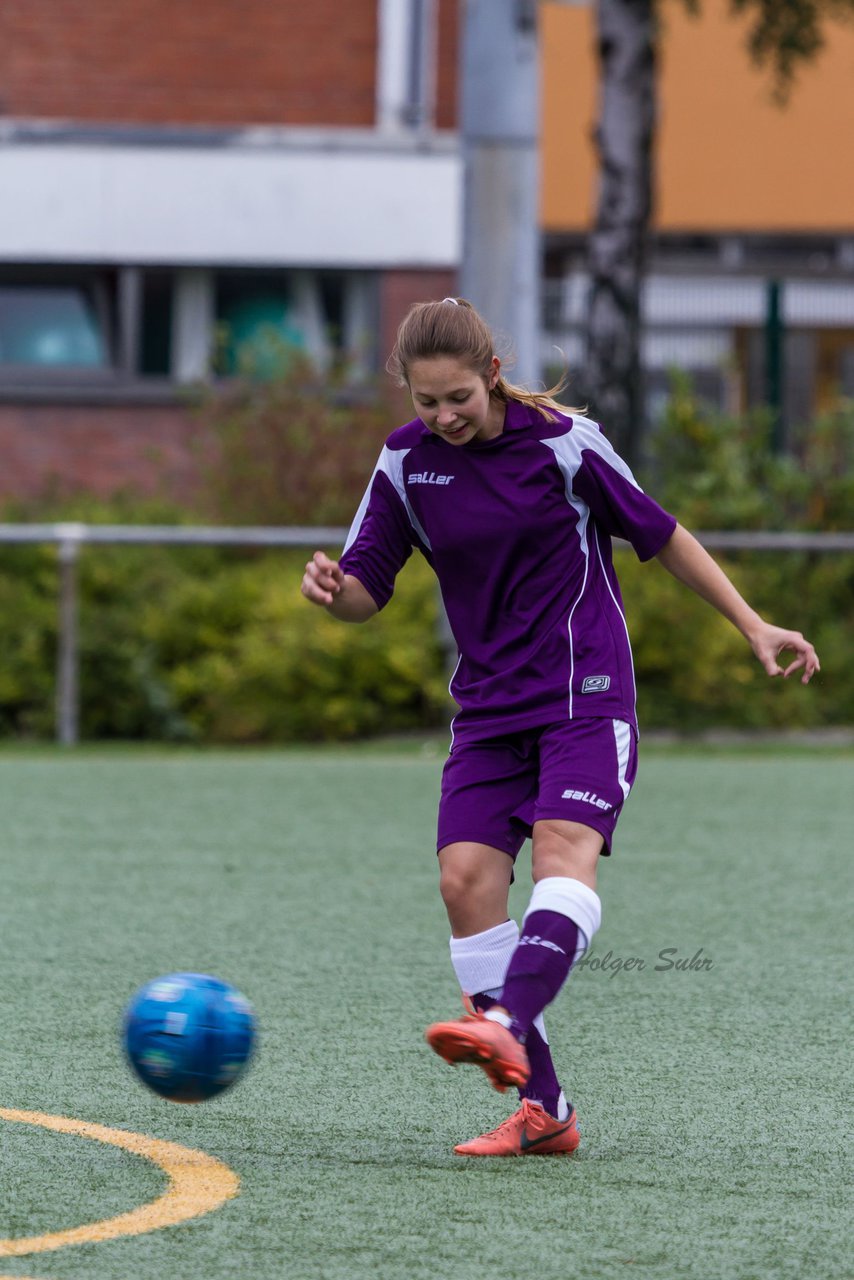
67 658
500 125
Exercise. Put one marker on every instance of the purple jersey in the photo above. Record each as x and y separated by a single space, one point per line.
518 531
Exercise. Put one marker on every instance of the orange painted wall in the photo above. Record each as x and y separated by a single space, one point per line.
728 158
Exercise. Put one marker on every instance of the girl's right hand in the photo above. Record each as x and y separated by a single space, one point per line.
322 580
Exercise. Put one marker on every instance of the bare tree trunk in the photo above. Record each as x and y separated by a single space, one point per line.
617 247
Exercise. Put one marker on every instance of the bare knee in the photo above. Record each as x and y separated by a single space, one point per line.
460 885
567 849
474 881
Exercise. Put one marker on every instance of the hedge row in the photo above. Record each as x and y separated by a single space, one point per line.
214 645
695 671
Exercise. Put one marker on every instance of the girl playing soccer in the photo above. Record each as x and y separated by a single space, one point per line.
513 500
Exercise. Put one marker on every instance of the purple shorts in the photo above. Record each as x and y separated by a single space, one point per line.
494 790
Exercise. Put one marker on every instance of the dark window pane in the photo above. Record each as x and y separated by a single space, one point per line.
332 300
156 346
51 326
255 321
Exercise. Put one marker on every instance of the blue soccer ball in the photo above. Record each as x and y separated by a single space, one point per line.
188 1036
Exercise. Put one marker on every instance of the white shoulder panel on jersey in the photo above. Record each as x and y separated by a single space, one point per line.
359 517
390 462
585 434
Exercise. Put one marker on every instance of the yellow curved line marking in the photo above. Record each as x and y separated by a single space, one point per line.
197 1184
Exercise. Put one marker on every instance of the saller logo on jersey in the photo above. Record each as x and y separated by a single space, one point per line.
428 477
595 684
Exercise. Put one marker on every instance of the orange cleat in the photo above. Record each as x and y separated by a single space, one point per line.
478 1039
530 1131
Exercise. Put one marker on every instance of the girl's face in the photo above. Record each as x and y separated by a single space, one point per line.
453 401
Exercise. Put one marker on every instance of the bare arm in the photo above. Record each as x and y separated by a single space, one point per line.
690 563
325 583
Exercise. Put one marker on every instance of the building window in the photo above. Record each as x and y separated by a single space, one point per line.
155 341
717 329
256 323
835 361
59 322
327 316
143 330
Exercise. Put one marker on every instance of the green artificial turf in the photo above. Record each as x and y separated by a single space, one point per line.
711 1097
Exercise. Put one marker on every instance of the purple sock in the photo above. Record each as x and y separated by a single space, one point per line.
538 968
543 1084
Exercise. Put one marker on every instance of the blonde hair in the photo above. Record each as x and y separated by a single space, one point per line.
454 328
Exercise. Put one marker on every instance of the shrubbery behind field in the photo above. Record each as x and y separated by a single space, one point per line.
217 645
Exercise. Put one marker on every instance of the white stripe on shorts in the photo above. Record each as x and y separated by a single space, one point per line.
623 739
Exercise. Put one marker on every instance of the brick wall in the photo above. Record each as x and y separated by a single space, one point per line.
151 450
447 57
399 289
189 61
57 450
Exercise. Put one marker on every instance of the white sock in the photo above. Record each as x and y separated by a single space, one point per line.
569 897
480 961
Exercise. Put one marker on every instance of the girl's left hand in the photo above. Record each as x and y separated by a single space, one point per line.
770 641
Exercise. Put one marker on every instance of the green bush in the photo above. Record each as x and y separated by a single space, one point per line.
212 644
716 472
28 600
694 670
295 449
249 660
719 472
